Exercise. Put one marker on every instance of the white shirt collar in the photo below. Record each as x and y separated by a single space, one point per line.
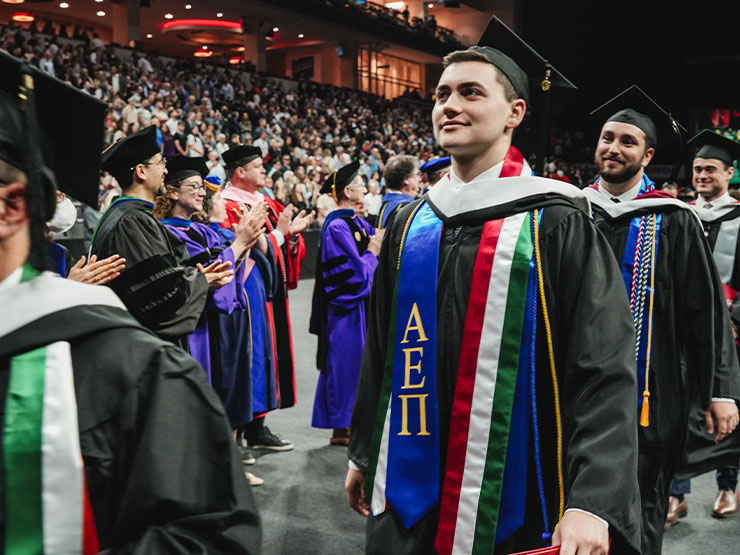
719 201
452 197
13 279
627 195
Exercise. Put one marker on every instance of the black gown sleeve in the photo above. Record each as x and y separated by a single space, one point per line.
162 470
593 337
157 287
699 308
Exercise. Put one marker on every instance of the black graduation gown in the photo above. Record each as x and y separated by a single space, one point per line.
595 373
686 352
157 286
161 467
702 454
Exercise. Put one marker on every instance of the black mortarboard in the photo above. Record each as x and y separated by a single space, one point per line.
709 144
435 164
56 133
181 167
123 156
339 179
635 107
545 90
240 155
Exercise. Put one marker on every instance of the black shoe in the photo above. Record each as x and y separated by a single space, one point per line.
247 456
267 440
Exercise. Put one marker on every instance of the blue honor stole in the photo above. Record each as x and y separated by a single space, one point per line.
637 269
413 445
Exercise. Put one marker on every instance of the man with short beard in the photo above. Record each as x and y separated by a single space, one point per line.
674 296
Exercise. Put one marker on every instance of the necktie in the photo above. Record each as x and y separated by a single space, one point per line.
615 200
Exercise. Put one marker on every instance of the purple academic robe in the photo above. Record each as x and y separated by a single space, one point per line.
205 245
344 278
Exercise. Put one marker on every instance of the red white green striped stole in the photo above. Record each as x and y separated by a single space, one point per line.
493 339
47 509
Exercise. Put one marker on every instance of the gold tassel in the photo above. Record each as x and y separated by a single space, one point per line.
645 414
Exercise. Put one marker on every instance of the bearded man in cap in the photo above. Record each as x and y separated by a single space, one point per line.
674 293
159 286
98 414
489 410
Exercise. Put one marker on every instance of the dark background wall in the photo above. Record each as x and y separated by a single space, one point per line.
685 55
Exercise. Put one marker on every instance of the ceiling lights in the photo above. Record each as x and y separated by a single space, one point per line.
101 13
13 1
148 35
168 16
300 36
203 52
64 5
22 17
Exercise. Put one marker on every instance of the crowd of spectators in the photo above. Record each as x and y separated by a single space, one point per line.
426 26
305 130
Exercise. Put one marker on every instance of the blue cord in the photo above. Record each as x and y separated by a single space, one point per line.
546 536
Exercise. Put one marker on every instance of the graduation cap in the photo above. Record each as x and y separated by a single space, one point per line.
545 90
339 179
435 164
240 155
709 144
181 167
122 157
50 130
636 108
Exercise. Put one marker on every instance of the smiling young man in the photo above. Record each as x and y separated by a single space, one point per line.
489 410
712 168
673 291
157 286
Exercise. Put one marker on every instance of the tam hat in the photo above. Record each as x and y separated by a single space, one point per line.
240 155
709 144
181 167
339 179
636 108
545 90
51 131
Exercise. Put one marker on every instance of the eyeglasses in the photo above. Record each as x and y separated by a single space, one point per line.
195 186
160 162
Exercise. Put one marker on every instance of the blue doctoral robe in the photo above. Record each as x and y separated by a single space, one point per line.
344 278
204 246
393 201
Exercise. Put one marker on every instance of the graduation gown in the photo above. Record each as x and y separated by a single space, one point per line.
157 286
393 201
205 246
344 275
721 224
286 260
687 341
160 466
595 371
